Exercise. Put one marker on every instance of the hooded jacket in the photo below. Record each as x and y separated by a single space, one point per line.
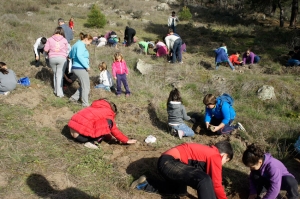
221 55
92 121
176 113
120 68
80 56
273 170
56 46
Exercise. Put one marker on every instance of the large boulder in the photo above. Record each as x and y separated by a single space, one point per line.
143 67
266 92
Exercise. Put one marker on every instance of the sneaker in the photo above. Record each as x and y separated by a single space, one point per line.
174 132
127 95
140 183
90 145
241 127
180 134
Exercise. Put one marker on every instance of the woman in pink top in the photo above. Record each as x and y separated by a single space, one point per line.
120 71
57 48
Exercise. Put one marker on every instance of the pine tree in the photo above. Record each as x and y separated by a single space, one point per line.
95 18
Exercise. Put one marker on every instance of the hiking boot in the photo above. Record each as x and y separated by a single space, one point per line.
240 127
140 183
180 134
90 145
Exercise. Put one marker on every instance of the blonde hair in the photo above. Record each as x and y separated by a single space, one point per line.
102 66
118 54
84 36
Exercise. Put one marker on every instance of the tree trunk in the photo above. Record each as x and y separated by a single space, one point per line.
281 19
294 13
274 6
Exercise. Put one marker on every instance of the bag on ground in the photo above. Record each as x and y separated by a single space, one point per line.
24 81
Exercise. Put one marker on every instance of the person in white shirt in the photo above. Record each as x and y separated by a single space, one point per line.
105 78
38 48
174 42
102 41
172 21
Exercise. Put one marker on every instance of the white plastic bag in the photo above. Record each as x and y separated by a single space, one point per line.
150 139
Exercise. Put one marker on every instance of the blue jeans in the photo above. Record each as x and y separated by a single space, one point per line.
176 51
229 62
173 28
293 62
188 132
107 88
177 176
256 59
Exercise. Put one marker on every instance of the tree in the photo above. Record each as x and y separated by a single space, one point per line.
294 13
95 18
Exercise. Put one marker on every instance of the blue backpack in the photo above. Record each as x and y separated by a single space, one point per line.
226 98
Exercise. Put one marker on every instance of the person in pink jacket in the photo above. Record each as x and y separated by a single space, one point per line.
120 71
57 48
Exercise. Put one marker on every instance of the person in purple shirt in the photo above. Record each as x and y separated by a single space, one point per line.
250 58
268 175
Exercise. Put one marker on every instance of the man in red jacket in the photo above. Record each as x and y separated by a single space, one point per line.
190 164
96 122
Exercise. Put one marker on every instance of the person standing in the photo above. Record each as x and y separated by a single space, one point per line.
128 35
38 48
172 21
71 23
57 48
67 30
174 42
80 67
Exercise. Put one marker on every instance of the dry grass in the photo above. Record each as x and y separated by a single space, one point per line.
39 160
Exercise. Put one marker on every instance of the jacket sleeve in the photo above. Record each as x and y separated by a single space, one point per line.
252 55
275 183
185 116
47 45
226 113
214 170
80 56
252 189
118 134
113 68
244 58
35 46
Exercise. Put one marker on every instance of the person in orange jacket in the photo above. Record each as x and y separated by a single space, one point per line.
234 58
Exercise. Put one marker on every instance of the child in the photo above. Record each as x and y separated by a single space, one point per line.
250 58
234 58
71 23
172 21
176 115
101 41
105 77
113 39
160 48
96 122
8 79
120 71
222 57
38 48
268 174
144 46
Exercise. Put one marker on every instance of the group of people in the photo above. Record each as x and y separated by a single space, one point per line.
221 56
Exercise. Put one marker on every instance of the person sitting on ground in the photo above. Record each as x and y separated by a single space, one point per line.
128 35
250 58
96 122
219 114
101 41
105 79
8 79
144 46
69 77
38 48
176 115
222 56
189 164
234 59
160 48
268 175
113 39
294 57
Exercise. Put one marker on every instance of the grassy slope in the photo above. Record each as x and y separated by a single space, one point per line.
33 155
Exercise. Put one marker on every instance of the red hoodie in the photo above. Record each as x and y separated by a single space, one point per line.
92 121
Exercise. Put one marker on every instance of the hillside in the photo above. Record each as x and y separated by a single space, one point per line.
40 160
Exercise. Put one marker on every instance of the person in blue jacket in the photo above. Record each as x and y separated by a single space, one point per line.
218 115
222 56
268 175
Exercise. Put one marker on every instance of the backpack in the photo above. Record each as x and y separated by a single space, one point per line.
226 98
24 81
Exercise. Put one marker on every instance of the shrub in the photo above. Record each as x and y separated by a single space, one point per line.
137 14
185 14
95 18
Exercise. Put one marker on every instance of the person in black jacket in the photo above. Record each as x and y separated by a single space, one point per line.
128 35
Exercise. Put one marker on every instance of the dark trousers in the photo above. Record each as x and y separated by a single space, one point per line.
177 176
121 78
226 129
288 183
176 51
129 38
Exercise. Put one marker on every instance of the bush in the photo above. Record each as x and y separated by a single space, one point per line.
185 14
137 14
95 18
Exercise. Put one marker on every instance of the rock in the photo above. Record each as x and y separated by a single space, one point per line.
162 7
266 92
143 67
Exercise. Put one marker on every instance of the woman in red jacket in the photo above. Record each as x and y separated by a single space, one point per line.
96 122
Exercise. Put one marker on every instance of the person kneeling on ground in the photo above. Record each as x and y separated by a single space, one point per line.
294 57
190 164
8 79
222 56
234 59
219 114
268 175
96 122
250 58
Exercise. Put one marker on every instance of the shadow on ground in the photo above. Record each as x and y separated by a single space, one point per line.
42 188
